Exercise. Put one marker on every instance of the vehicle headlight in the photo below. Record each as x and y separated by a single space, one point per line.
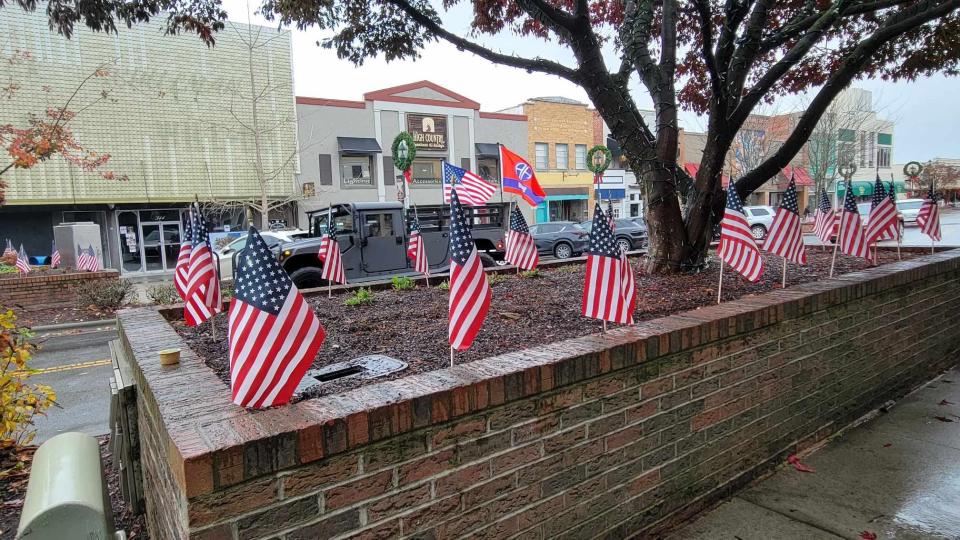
285 253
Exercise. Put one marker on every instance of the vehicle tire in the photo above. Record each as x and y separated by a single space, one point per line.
308 278
624 244
486 260
563 250
759 232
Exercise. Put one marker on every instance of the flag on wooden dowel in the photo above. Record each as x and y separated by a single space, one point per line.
607 294
329 255
521 248
415 249
928 218
182 270
882 222
852 240
23 262
87 259
274 334
203 281
54 255
469 290
471 189
737 246
785 238
824 219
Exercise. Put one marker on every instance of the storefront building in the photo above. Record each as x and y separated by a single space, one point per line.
345 146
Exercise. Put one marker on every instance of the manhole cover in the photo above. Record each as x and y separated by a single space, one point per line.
364 367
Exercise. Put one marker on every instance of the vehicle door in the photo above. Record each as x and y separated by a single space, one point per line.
382 241
545 235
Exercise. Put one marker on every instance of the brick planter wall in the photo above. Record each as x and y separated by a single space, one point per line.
601 436
42 290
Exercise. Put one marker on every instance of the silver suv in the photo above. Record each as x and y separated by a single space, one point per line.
760 219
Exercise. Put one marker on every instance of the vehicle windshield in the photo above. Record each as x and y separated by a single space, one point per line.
342 221
910 205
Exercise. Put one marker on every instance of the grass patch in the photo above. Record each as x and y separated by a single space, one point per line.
531 274
360 297
403 283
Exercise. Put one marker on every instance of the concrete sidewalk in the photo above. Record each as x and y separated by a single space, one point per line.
896 476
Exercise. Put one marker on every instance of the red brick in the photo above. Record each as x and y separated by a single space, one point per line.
464 429
317 475
430 515
515 458
541 512
489 490
397 503
462 478
358 490
536 429
425 467
642 483
642 411
656 387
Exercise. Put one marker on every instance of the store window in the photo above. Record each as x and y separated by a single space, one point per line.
489 169
563 157
356 171
542 155
883 156
426 172
581 157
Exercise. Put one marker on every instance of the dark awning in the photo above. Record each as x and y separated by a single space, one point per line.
488 150
358 145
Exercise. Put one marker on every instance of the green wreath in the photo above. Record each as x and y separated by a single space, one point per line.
403 163
607 159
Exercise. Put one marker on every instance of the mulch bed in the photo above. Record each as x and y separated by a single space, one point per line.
13 489
58 315
412 325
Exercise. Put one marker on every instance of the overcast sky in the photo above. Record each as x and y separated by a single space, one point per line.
925 112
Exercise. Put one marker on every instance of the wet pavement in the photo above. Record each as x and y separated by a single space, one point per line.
895 476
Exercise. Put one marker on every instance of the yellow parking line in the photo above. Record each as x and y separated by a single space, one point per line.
79 365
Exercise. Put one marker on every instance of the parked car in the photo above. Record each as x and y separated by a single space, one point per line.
864 210
562 239
272 238
760 219
909 208
630 233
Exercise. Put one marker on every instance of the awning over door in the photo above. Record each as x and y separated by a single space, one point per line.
358 145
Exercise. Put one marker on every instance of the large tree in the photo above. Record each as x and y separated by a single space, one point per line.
721 58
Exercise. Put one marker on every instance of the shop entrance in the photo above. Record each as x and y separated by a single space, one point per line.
149 240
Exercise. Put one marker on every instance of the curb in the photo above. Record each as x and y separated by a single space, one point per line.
74 325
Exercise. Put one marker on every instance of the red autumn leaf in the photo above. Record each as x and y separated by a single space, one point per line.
945 402
943 419
867 535
795 461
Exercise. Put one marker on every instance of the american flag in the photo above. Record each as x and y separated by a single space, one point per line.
928 218
607 294
9 249
54 255
471 189
521 248
613 224
737 246
87 259
23 262
415 249
274 335
329 255
785 238
882 223
203 284
852 241
825 219
891 194
182 272
469 290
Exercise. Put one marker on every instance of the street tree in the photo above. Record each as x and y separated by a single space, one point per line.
718 58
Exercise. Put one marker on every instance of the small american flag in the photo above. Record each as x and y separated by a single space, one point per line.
471 189
469 290
882 223
54 256
825 219
737 246
606 292
23 262
87 259
329 255
274 335
785 238
182 272
891 194
203 284
852 241
928 218
521 248
9 249
415 249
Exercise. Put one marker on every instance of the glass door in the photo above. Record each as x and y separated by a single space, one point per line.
152 247
130 252
171 243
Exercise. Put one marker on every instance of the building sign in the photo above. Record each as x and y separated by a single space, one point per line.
429 132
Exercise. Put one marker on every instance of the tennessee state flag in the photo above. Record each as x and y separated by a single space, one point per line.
519 177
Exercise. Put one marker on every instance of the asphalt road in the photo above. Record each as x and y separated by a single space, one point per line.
912 237
76 364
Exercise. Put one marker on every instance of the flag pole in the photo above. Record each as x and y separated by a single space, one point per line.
783 284
604 329
720 286
451 356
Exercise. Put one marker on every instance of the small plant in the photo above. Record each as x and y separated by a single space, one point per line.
494 279
445 285
226 290
7 269
361 297
20 401
568 269
403 283
163 294
105 295
531 274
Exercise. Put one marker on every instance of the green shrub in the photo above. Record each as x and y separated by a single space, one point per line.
445 285
360 297
163 294
494 279
226 291
403 283
105 295
531 274
7 269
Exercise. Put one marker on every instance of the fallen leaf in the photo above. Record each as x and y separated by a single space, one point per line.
510 315
945 402
867 535
795 461
888 445
943 419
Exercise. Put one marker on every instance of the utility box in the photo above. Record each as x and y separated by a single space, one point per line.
71 237
66 495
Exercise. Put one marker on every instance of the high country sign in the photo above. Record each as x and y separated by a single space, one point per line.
429 132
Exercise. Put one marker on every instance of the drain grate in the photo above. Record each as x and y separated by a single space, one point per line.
364 367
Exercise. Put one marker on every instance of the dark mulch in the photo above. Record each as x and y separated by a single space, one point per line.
31 316
412 325
13 489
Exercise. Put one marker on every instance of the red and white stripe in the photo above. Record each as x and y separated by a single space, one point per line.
824 222
852 240
329 255
472 190
417 253
182 271
55 257
521 250
23 263
469 300
928 219
882 223
737 246
628 289
603 295
203 287
269 354
785 238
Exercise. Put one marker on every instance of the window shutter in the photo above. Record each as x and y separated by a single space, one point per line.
326 170
389 173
